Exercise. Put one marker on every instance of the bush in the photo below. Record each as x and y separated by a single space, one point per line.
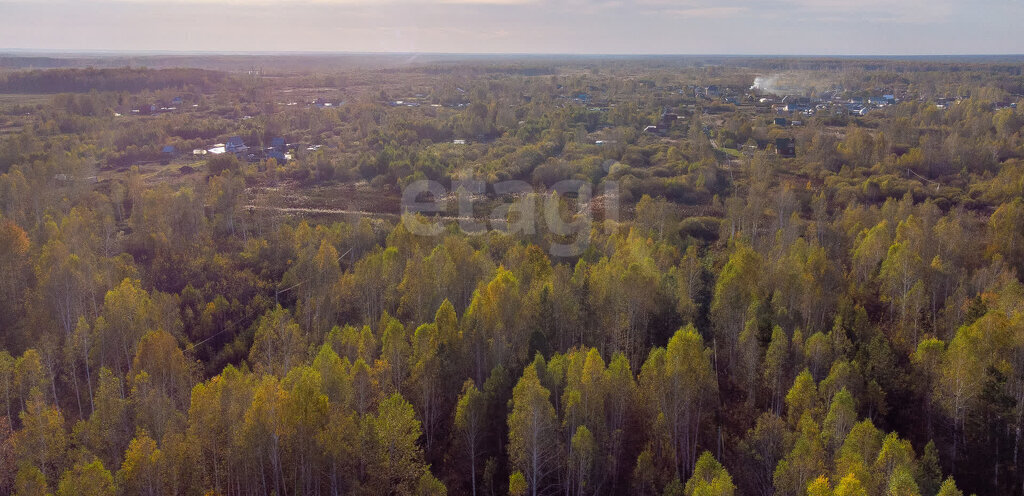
221 163
702 228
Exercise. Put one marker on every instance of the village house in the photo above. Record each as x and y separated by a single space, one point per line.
667 119
279 156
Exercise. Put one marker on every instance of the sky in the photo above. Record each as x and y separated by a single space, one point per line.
749 27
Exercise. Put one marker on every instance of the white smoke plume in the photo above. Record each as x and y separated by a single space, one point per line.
765 84
780 84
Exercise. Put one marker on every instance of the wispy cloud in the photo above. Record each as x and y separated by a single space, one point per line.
708 12
868 11
545 26
338 3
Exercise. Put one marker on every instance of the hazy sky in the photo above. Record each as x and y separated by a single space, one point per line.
536 26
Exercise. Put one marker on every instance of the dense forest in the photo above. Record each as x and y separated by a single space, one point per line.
848 321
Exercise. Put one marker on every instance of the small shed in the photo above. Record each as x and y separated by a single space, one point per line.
785 147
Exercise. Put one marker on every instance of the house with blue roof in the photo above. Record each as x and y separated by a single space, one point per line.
235 144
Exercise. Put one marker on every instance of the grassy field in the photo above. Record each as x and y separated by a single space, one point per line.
732 152
24 99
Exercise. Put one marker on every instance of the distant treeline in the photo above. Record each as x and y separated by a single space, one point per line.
122 79
511 69
16 62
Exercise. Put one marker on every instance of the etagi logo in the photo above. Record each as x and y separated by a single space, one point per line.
563 214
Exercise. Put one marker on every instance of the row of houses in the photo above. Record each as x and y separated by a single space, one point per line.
783 122
851 106
235 145
156 107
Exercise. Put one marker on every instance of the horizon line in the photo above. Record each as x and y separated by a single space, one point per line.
166 52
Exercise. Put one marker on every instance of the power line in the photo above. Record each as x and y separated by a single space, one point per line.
300 283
